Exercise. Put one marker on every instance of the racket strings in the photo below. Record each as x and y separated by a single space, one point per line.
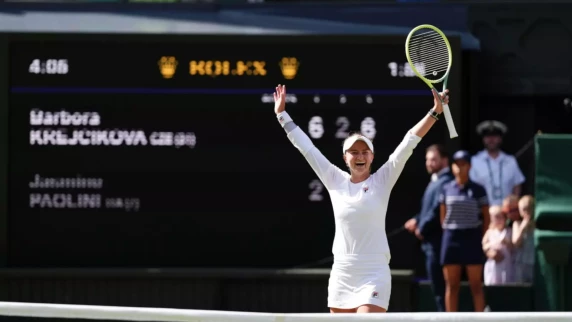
429 54
433 60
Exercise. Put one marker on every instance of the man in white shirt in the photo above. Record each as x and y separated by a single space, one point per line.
494 169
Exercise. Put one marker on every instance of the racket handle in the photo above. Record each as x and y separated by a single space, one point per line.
449 121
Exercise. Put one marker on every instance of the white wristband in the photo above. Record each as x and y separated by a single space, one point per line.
283 118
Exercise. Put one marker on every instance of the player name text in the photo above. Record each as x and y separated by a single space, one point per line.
64 118
77 182
116 137
82 201
65 200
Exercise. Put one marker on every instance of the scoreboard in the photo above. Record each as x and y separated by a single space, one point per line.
156 151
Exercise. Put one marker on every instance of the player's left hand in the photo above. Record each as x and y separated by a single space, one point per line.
438 106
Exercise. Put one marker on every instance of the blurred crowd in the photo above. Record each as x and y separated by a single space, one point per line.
474 219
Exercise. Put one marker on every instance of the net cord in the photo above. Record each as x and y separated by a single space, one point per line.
42 310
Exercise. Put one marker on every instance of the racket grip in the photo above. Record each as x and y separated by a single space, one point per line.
449 121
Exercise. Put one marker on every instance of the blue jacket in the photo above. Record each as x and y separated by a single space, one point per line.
428 219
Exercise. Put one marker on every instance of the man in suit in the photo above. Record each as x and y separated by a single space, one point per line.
426 225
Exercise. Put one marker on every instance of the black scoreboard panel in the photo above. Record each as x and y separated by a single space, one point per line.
132 151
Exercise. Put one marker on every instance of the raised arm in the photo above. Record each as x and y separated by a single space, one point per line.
391 170
518 229
421 128
328 173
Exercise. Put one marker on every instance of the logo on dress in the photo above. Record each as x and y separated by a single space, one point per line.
374 295
365 189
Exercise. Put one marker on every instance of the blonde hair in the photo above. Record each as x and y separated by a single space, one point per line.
494 210
526 203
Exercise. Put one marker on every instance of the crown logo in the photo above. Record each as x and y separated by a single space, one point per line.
289 67
168 66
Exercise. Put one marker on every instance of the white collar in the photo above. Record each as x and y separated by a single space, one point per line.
484 155
435 176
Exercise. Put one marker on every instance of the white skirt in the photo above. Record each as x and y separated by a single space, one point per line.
356 280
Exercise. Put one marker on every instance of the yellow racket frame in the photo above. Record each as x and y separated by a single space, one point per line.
449 52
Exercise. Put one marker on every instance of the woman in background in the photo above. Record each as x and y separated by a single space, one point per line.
463 205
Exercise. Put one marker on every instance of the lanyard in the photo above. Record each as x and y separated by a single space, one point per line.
497 190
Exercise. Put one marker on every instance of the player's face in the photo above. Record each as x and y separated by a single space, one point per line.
359 157
433 162
492 142
461 169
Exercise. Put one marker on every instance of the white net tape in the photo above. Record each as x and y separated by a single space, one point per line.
177 315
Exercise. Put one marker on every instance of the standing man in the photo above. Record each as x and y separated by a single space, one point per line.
495 170
427 226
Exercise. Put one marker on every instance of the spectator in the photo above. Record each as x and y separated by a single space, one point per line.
497 245
494 169
523 240
426 225
462 204
510 209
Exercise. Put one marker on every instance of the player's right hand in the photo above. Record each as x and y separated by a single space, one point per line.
280 99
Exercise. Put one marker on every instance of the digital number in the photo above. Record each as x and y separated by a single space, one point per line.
316 188
420 68
50 66
316 127
393 69
404 70
408 71
368 128
35 67
344 125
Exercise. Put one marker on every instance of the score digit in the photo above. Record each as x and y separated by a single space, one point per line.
316 127
344 125
368 128
316 188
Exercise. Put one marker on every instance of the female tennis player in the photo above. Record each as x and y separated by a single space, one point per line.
360 280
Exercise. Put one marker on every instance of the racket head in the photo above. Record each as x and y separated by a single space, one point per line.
429 54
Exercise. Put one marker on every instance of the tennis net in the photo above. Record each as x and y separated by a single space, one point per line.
113 313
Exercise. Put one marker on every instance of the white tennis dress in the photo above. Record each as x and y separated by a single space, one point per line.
360 273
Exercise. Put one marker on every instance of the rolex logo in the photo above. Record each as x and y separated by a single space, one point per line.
167 66
289 67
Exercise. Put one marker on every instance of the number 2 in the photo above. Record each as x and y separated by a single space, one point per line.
343 124
316 188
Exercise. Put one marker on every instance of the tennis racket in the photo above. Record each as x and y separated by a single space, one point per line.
429 54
